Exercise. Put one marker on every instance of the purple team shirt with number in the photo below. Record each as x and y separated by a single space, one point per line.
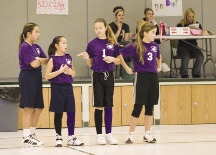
150 57
57 62
28 53
97 49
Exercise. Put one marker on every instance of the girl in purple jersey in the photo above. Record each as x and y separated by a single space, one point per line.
147 63
101 55
31 56
60 72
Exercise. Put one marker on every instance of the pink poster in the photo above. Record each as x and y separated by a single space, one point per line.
55 7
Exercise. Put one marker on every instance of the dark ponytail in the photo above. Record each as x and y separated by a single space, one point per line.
52 49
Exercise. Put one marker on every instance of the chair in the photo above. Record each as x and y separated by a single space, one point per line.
174 56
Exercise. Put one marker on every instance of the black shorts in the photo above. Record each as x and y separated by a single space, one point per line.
103 89
146 88
30 83
62 98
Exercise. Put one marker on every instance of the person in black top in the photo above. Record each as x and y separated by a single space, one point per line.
119 28
121 31
188 48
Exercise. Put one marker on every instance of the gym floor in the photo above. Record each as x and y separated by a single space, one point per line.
171 139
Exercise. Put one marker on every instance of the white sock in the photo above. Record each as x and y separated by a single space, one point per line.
148 132
32 130
26 132
130 135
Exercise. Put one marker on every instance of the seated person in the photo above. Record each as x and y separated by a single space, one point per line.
149 17
120 29
188 48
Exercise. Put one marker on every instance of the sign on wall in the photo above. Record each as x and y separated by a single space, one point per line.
167 7
55 7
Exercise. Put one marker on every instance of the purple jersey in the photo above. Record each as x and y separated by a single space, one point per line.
57 62
97 50
28 53
150 57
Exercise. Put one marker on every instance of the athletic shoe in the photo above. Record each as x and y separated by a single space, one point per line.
73 141
128 141
35 137
111 140
100 140
129 138
30 141
148 138
58 141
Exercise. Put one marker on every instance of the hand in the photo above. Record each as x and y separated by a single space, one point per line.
69 71
37 58
63 68
158 69
129 70
84 55
119 25
109 59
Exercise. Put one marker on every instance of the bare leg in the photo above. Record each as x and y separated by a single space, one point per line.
35 116
133 123
26 117
148 121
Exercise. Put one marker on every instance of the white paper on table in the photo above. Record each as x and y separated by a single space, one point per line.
194 26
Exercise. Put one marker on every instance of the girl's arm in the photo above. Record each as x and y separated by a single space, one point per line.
110 59
126 37
49 74
159 62
35 64
117 34
128 69
85 55
42 60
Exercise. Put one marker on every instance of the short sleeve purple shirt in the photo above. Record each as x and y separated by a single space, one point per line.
150 57
97 49
57 62
28 53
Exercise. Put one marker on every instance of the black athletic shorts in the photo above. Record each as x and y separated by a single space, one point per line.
146 87
30 83
103 89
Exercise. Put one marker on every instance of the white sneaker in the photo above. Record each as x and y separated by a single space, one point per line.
100 140
165 67
73 141
30 141
35 137
58 141
111 140
148 138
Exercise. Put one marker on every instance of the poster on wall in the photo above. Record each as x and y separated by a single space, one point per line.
167 7
53 7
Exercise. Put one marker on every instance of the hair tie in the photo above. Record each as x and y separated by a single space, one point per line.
117 11
23 36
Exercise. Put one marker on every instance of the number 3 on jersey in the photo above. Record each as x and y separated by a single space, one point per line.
150 56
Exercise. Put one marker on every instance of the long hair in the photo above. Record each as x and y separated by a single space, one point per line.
187 12
146 27
29 27
52 49
109 33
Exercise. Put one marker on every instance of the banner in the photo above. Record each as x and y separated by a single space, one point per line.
54 7
167 7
